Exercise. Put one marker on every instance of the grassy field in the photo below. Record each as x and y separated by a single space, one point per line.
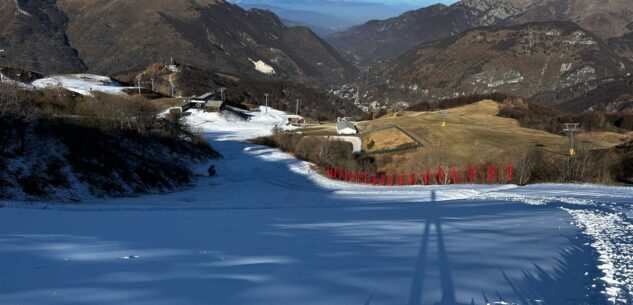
473 134
386 139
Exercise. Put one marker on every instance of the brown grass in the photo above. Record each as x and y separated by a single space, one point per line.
386 139
474 134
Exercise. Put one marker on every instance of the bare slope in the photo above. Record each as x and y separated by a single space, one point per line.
111 36
32 35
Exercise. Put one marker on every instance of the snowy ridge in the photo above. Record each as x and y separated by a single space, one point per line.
83 84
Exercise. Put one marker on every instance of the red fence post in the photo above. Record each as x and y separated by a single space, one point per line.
410 178
491 176
426 178
382 181
454 176
373 179
440 175
510 172
400 179
391 179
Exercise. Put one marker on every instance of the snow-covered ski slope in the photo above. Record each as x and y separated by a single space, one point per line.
268 230
83 84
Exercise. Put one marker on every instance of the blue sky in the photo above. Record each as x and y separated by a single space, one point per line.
413 2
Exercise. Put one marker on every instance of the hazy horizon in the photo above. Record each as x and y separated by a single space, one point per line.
325 16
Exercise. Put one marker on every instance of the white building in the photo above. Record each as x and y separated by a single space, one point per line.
345 126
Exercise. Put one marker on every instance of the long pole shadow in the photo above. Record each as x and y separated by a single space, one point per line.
446 278
415 297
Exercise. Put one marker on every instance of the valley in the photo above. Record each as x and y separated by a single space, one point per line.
184 152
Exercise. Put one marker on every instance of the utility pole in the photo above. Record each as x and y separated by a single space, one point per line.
571 129
266 95
297 108
138 84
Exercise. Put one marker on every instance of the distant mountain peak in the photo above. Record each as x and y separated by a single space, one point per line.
378 40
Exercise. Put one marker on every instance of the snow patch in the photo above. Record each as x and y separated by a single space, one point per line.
263 67
83 84
19 10
8 81
565 67
261 123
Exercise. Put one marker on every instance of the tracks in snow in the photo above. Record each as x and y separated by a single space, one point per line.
610 230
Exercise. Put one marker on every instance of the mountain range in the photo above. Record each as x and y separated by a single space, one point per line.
114 36
524 60
556 51
378 40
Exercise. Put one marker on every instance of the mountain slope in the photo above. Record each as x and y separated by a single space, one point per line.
378 40
610 95
523 60
119 35
383 39
32 35
605 18
623 46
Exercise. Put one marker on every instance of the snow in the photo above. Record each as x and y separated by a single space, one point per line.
83 84
263 67
269 230
11 82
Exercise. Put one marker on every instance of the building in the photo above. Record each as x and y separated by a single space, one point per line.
214 106
206 101
346 126
296 120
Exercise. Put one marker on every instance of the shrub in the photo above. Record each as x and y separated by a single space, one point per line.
623 169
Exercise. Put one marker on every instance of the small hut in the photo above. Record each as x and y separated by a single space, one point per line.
345 126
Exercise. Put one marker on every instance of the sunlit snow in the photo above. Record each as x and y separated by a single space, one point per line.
270 230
